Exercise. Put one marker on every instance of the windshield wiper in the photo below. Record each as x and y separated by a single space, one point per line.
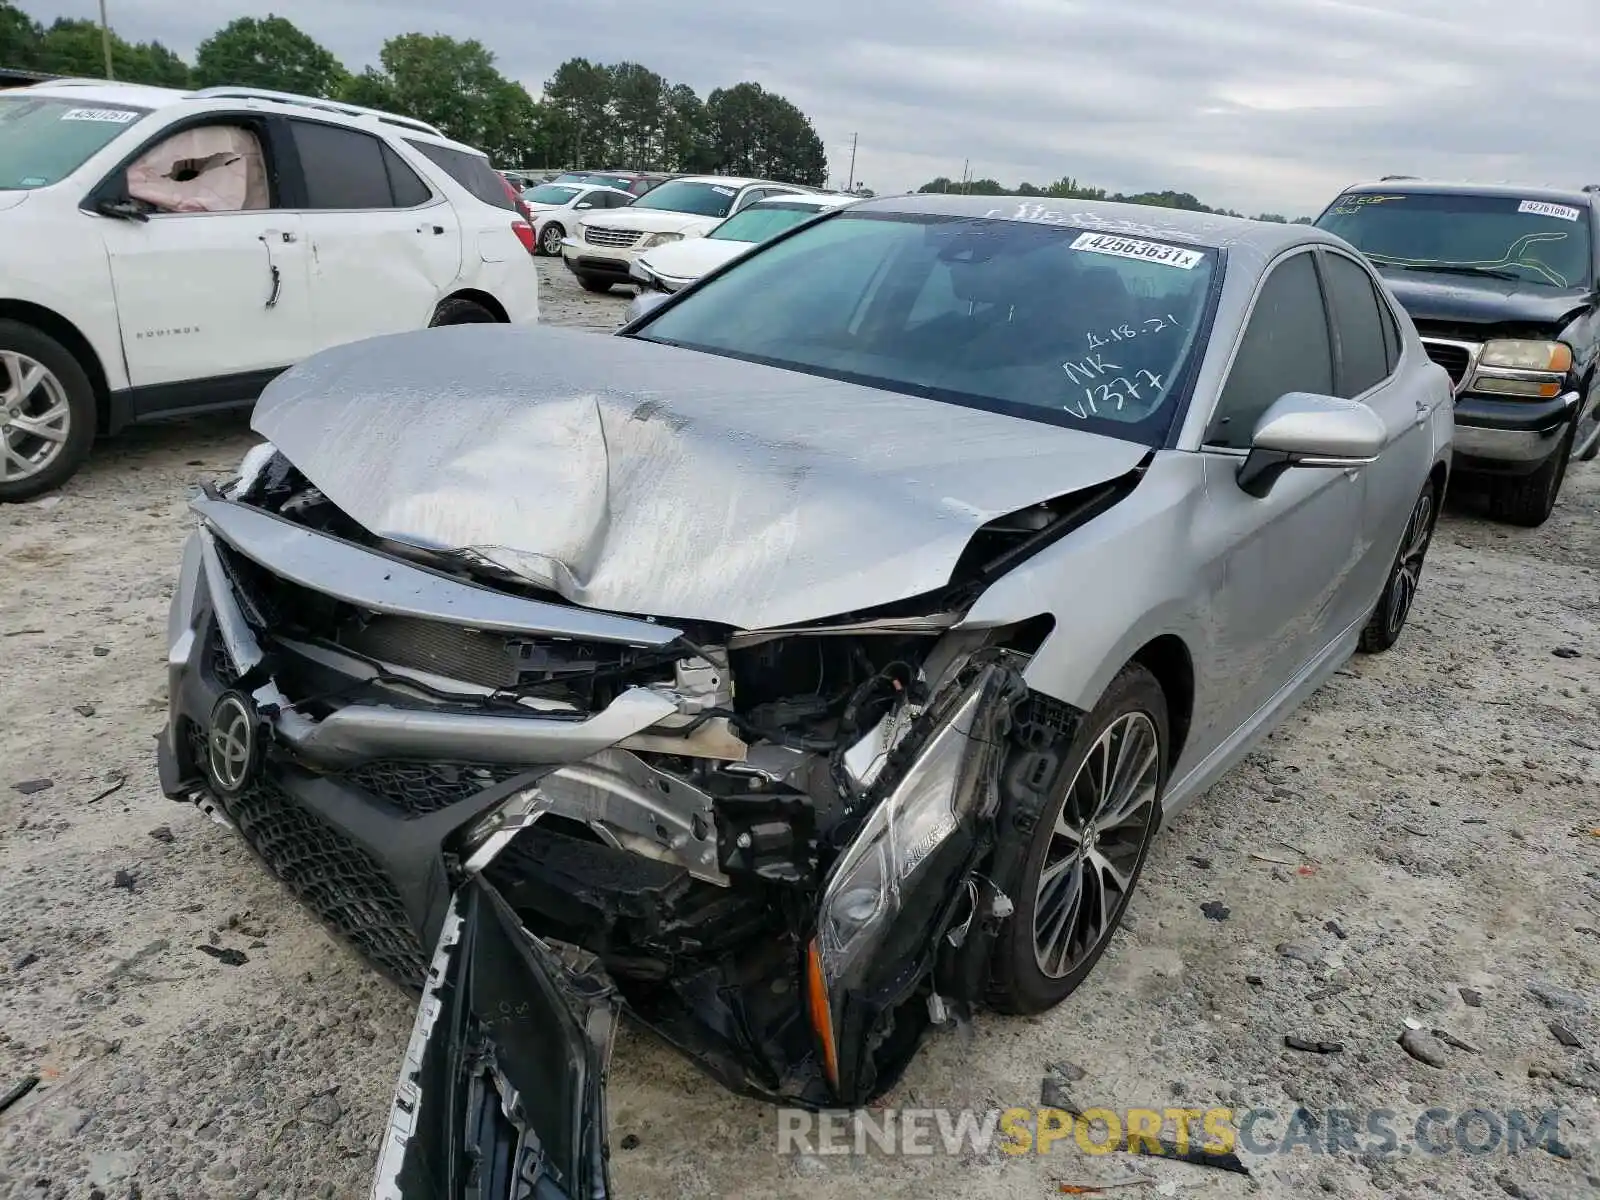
1459 269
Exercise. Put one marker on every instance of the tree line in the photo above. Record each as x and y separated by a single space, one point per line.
1067 188
591 115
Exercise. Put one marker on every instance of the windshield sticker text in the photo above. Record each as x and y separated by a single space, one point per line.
1102 399
1135 248
116 116
1126 333
1089 369
1540 209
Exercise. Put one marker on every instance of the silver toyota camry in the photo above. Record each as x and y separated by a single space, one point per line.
807 665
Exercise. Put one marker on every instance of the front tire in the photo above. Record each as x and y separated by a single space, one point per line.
550 240
1394 605
1528 500
1087 849
591 283
47 413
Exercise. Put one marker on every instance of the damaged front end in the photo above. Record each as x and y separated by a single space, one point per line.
768 846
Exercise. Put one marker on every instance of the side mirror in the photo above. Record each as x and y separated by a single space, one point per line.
583 204
1303 430
122 210
646 301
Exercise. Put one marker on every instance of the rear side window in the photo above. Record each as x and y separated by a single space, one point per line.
1363 357
1285 349
348 169
471 171
404 183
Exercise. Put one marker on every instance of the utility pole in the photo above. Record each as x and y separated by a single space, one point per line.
966 173
851 185
105 39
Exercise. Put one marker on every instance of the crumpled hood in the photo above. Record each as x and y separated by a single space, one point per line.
1454 298
652 480
692 257
652 220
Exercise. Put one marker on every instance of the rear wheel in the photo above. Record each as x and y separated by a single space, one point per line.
550 239
47 412
1087 848
1528 500
460 312
1394 606
592 283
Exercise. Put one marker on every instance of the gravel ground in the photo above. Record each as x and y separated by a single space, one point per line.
1429 822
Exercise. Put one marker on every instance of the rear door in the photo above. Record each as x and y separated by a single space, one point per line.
1369 345
383 248
502 1095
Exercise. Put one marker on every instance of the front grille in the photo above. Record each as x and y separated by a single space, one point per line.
599 235
1455 359
417 789
332 876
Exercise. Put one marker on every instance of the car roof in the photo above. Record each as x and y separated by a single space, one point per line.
1265 238
737 181
102 91
1449 187
820 201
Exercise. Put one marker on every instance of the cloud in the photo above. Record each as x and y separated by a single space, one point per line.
1251 104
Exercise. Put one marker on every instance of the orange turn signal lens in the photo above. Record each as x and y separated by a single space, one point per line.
821 1014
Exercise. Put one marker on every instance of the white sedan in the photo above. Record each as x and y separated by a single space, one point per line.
555 208
677 265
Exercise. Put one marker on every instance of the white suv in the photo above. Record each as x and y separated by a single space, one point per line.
163 252
604 246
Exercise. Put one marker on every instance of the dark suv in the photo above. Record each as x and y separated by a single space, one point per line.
1502 284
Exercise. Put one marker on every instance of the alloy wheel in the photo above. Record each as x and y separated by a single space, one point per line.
1095 844
35 418
551 237
1408 567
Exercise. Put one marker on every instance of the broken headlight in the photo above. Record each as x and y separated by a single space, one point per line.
864 894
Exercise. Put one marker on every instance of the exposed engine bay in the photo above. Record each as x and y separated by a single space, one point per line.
768 845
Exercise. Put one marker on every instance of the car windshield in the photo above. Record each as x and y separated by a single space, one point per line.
43 139
685 196
760 221
1051 323
550 193
1504 237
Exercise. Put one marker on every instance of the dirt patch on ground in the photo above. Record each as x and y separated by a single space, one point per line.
1417 844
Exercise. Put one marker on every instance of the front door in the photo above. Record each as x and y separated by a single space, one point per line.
213 284
1286 559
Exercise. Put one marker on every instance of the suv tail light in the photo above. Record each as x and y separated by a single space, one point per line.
524 233
516 200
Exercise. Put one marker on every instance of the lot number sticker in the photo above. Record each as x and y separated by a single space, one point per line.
1540 209
1126 247
117 116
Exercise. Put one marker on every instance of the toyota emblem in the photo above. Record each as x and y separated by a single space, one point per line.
232 743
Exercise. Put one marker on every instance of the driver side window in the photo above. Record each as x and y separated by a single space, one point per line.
1285 349
202 169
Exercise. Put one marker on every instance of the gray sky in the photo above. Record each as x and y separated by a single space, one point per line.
1250 104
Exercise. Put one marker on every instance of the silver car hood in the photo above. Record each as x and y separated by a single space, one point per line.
647 479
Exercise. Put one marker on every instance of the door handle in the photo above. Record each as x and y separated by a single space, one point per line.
433 229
